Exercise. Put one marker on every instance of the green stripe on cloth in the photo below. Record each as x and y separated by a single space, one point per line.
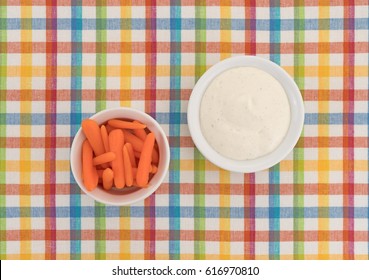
298 153
3 86
199 161
101 36
101 50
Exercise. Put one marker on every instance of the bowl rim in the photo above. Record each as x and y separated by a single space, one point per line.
296 108
150 189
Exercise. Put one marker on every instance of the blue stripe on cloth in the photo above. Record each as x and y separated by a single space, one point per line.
188 24
172 117
189 212
335 118
174 131
74 119
274 179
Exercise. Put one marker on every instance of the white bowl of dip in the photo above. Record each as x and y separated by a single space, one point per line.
245 114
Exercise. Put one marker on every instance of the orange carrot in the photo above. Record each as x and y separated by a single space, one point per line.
100 172
137 145
144 164
105 138
155 156
153 169
134 173
108 178
104 158
140 132
131 154
92 131
116 141
89 173
127 167
126 124
109 128
136 185
136 142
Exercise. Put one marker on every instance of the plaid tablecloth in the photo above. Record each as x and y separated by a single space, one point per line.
62 61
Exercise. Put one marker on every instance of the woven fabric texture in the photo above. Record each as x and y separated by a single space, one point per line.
62 61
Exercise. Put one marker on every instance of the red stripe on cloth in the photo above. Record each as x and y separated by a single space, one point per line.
50 129
163 235
150 107
151 50
187 47
249 179
348 130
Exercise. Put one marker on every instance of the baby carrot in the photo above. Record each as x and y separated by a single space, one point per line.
155 156
136 142
105 138
137 145
140 132
109 128
127 167
89 173
92 131
131 154
116 141
144 164
153 169
100 172
126 124
104 158
108 178
134 172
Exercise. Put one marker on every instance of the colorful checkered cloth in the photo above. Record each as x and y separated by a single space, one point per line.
62 61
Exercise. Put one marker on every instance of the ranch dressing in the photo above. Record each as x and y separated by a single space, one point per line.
244 113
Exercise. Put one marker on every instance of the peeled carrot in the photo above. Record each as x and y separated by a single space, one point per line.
126 124
136 142
127 167
140 132
109 128
137 154
105 138
116 141
144 164
100 172
153 169
136 185
104 158
131 154
137 145
134 173
92 131
89 173
108 178
155 156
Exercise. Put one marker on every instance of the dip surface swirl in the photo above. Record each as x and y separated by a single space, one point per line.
244 113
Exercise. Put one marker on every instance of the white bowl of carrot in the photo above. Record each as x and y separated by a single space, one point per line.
120 156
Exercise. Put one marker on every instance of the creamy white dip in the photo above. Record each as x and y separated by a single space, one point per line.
244 113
